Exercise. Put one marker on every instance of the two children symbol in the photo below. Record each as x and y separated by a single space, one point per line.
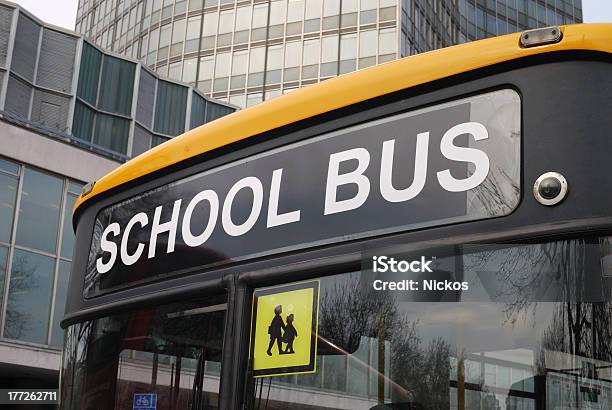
281 333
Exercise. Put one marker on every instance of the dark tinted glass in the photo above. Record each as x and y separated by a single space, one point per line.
214 111
532 331
112 132
117 86
170 108
82 126
173 351
89 73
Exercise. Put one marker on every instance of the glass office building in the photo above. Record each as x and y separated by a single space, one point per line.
246 51
111 104
70 112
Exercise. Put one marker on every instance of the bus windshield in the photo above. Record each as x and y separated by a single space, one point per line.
532 330
169 354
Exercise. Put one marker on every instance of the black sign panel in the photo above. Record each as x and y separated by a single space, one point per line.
453 162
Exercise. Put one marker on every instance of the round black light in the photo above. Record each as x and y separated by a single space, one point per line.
550 188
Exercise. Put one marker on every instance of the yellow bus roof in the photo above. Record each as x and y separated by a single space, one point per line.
343 91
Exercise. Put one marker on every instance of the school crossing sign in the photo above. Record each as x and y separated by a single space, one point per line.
284 329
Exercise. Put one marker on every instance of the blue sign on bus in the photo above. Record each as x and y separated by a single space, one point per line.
145 401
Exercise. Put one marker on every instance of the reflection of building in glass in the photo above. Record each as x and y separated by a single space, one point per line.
248 51
69 113
508 380
495 380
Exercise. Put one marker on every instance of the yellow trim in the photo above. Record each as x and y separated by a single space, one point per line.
343 91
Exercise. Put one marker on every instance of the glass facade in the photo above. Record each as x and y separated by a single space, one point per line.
36 243
247 51
68 88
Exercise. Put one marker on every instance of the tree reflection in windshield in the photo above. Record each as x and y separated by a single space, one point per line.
532 332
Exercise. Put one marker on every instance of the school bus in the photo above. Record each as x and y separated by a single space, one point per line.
431 233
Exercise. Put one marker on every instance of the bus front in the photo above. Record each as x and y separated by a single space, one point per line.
430 233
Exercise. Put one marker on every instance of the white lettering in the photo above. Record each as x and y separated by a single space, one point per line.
127 259
274 219
170 227
254 184
387 190
107 246
213 200
334 180
475 156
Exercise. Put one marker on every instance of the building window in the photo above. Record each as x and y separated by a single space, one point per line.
348 53
175 70
112 132
310 58
243 23
239 100
178 35
117 85
82 126
239 66
256 66
209 29
312 17
387 44
260 22
254 99
214 111
277 19
190 70
170 108
295 16
192 37
29 297
91 61
61 290
331 14
9 173
367 48
3 262
226 22
329 55
43 199
274 64
349 13
39 211
368 12
205 74
293 58
222 71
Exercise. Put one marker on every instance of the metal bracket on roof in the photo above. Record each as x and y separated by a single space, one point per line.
541 36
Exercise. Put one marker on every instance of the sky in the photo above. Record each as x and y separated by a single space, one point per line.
597 11
63 12
59 12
